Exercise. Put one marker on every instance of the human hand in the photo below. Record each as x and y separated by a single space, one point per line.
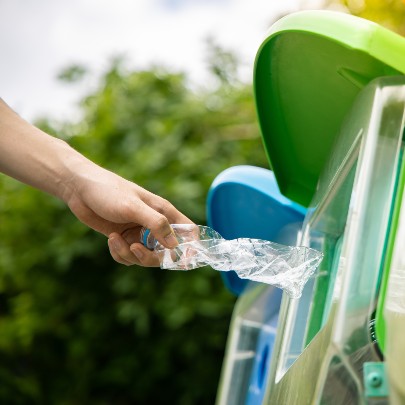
100 199
119 209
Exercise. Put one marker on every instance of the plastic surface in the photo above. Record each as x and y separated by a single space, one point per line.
325 336
380 324
245 202
263 352
375 380
394 313
286 267
308 72
147 239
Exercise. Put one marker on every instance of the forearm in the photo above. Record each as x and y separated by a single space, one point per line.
99 198
34 157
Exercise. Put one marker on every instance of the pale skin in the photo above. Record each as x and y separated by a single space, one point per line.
99 198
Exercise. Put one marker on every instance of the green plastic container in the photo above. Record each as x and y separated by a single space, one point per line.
330 98
308 71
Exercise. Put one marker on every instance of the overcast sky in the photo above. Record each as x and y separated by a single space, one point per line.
40 37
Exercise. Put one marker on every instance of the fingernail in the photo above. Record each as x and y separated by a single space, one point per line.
116 243
137 253
171 240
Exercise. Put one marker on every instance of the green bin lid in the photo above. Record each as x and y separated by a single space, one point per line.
307 73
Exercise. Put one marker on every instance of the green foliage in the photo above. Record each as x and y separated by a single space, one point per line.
78 328
222 64
389 13
72 74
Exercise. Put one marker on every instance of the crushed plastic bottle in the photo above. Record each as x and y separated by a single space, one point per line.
286 267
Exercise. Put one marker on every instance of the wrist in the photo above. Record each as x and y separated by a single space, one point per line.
74 170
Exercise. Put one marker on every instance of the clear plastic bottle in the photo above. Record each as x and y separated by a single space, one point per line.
286 267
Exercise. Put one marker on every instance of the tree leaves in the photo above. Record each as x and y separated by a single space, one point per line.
76 327
389 13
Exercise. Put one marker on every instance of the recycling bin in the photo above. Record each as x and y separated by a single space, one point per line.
245 201
330 97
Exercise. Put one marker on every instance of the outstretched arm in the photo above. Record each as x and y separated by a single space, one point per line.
99 198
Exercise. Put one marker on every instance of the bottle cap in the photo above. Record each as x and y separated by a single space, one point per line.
147 239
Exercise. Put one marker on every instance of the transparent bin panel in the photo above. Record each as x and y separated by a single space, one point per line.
324 337
249 347
394 310
244 201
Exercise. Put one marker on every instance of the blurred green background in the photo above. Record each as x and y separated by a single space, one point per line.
78 328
